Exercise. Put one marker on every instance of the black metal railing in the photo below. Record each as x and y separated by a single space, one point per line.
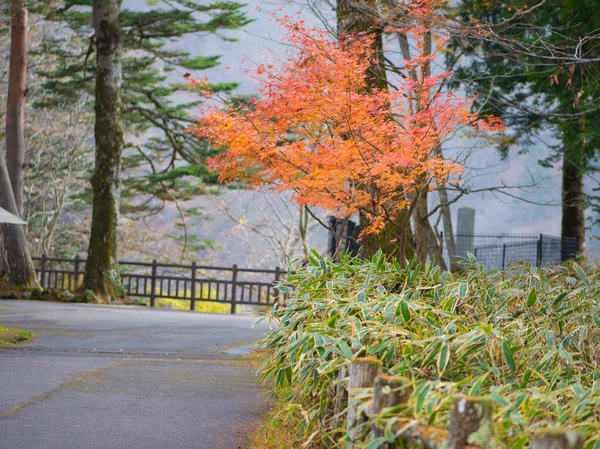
497 251
153 280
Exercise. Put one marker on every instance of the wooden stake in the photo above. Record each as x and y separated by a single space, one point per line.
389 392
470 423
558 440
363 372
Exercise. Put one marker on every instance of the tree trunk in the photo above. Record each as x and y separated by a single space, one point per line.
421 220
448 230
15 252
573 200
102 269
15 103
395 239
15 258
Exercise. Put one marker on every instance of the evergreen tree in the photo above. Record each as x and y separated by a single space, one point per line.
102 266
174 159
524 73
161 161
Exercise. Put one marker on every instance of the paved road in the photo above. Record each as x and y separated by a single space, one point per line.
126 378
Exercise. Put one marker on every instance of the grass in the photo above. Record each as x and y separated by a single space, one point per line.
201 306
280 430
13 336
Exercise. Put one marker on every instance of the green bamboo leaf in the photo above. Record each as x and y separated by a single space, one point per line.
532 298
259 321
345 350
421 397
443 358
478 383
375 443
498 399
520 442
367 282
403 310
463 289
508 356
581 273
559 298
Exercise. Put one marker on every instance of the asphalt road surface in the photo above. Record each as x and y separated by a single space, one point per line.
126 378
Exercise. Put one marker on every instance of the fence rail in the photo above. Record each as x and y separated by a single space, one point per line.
493 251
497 251
470 427
153 280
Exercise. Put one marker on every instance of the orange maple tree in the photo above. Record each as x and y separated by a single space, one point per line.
319 130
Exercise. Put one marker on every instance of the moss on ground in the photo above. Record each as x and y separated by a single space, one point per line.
13 336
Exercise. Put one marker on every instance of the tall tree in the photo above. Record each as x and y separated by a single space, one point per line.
15 106
15 252
536 65
355 18
320 130
162 163
102 269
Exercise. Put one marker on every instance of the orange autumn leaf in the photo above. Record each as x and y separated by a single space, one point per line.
320 131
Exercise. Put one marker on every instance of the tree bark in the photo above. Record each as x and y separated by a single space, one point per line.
15 251
448 230
395 239
15 103
102 269
573 200
421 220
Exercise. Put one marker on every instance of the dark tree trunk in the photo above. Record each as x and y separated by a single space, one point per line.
15 104
14 252
102 269
421 220
395 239
573 200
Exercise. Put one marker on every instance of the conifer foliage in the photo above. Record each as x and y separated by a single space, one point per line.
155 112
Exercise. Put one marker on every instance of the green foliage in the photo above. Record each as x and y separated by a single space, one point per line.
529 89
525 338
162 162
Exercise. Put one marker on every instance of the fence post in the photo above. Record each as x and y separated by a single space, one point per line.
341 398
389 392
277 292
558 440
234 277
504 256
76 277
539 252
363 372
470 423
193 289
153 284
43 270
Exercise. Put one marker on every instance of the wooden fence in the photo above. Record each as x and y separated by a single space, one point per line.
230 285
470 427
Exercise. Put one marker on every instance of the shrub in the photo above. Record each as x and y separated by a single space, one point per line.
527 338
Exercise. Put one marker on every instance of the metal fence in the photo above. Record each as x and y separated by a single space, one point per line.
497 251
193 282
493 251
